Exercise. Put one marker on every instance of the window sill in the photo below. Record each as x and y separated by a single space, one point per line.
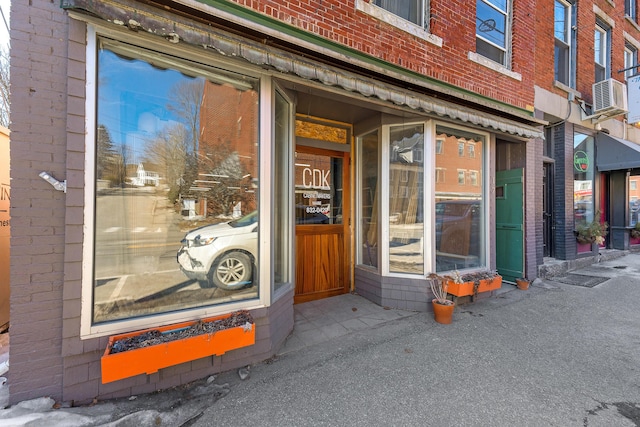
485 62
632 21
567 89
396 21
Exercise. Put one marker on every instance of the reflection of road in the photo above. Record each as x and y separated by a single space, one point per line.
136 272
137 233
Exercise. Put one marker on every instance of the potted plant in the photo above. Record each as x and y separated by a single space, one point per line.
635 231
522 283
470 284
592 232
442 307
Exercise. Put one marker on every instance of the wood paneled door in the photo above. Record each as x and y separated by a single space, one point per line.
322 223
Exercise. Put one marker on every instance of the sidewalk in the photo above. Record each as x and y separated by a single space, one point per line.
558 354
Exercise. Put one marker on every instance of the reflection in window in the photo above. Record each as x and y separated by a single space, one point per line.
369 189
406 201
492 29
459 206
176 185
411 10
601 49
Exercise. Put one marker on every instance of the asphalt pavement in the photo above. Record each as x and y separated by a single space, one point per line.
566 352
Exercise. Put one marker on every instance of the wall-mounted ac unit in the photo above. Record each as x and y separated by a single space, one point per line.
609 98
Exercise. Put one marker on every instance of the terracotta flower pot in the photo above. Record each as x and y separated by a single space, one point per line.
523 284
443 313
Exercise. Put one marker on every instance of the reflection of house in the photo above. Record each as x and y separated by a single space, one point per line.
227 149
144 177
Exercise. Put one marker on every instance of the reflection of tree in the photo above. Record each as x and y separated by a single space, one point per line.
186 97
168 151
228 180
4 87
111 161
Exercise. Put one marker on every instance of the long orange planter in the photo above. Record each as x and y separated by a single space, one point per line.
149 359
466 288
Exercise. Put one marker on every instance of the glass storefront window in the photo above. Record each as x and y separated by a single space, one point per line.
583 178
369 189
281 190
459 203
176 185
634 200
406 199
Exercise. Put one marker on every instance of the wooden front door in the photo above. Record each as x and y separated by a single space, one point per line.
322 223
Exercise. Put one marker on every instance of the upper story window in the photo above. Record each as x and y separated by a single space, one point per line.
630 60
564 34
492 29
411 10
602 51
630 9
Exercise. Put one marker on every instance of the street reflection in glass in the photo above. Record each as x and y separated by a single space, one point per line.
176 185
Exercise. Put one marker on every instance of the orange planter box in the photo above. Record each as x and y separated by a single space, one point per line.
466 288
147 360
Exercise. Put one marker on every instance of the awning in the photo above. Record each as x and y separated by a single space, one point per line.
615 153
177 29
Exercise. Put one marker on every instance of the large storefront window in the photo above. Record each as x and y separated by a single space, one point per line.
368 199
406 199
634 200
583 178
176 185
459 203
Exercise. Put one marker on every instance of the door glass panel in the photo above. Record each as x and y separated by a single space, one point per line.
318 189
406 199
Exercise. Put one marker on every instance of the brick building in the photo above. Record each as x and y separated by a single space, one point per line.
584 57
325 121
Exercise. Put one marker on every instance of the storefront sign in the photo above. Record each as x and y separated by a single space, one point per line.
633 98
581 161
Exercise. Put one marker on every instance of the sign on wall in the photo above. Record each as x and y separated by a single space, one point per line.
633 98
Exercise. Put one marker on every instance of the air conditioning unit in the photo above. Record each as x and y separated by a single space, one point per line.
609 98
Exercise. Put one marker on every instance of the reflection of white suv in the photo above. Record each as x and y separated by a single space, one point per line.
221 255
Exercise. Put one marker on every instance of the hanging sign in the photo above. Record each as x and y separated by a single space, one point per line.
633 98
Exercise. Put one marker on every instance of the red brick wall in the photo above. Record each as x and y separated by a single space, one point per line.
586 20
453 21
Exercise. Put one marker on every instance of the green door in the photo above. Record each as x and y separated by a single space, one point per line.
510 224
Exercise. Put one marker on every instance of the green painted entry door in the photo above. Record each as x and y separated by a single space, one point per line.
510 224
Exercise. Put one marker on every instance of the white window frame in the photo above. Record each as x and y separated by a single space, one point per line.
89 330
566 44
630 9
420 31
602 51
630 59
462 179
506 49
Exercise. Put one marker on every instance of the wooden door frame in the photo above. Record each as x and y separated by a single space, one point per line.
345 226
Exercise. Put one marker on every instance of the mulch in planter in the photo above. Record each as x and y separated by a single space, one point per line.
155 337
